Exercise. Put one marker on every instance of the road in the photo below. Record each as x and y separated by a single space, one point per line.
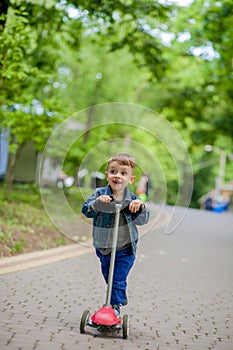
180 294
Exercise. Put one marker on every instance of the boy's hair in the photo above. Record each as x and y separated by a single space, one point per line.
124 159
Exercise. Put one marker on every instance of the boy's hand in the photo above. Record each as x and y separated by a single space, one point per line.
135 205
105 198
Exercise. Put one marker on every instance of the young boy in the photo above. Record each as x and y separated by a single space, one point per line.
100 206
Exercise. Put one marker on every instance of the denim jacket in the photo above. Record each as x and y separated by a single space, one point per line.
103 220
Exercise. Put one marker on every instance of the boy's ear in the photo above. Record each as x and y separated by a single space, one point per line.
132 179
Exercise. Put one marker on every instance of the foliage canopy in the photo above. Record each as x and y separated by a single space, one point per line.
57 57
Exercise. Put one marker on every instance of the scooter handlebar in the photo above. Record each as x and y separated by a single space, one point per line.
110 207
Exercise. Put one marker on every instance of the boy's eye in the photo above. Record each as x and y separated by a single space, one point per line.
112 171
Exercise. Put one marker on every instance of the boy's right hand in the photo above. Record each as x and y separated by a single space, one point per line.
104 198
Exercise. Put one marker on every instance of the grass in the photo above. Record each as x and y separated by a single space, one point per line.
24 223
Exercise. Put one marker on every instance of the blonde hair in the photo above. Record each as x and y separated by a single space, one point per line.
124 159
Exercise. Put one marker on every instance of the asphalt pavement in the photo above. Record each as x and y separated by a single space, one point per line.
180 293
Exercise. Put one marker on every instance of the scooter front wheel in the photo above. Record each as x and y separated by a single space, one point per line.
84 320
125 326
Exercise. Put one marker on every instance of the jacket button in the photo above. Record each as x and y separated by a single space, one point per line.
107 225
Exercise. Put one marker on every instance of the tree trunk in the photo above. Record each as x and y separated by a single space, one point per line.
89 123
10 171
91 111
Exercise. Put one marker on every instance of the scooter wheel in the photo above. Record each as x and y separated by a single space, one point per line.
125 326
84 320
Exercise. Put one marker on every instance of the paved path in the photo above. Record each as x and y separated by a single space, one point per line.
180 294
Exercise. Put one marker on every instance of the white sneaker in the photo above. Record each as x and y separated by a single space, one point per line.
117 310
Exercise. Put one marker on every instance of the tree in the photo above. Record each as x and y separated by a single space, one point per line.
198 81
21 112
33 35
195 93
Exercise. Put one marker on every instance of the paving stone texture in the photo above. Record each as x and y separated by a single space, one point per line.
180 294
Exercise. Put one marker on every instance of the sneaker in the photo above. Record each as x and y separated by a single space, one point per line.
117 310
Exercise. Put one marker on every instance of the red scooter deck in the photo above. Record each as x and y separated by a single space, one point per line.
105 316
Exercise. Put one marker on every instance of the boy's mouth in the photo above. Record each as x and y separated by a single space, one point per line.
116 182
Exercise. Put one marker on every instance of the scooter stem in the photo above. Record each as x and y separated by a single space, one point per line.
113 253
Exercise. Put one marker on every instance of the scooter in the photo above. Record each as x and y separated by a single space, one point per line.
105 319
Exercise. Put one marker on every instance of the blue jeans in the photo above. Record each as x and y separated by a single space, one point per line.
123 263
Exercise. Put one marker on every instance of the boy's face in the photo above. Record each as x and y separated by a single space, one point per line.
119 176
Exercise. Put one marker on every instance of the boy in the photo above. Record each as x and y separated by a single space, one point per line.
100 206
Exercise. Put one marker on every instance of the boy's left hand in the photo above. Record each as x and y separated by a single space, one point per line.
135 205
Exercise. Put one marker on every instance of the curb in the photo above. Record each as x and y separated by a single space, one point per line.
34 259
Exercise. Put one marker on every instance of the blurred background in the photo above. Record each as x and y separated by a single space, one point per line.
60 57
